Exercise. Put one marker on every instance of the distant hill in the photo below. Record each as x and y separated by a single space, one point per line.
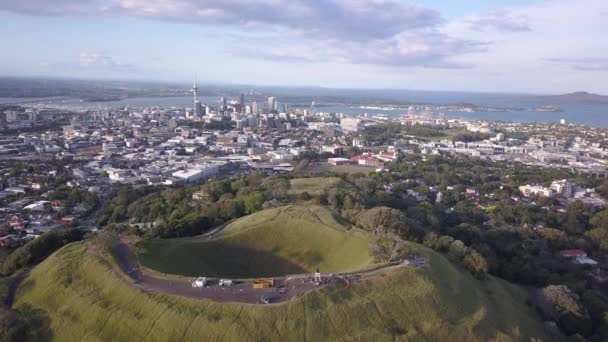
576 97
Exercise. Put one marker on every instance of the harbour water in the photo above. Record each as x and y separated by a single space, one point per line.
579 113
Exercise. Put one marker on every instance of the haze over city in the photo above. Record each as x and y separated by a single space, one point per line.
553 46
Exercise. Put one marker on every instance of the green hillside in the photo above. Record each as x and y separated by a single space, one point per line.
87 299
280 241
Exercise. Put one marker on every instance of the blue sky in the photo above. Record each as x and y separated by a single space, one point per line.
543 46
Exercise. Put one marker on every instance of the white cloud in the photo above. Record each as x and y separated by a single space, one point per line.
98 60
353 31
544 44
500 21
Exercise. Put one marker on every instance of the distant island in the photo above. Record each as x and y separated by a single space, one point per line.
576 97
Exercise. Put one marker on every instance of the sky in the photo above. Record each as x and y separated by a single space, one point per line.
537 46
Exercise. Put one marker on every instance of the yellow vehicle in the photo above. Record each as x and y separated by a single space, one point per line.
263 283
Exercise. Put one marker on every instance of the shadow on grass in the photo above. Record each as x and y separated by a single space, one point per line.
224 260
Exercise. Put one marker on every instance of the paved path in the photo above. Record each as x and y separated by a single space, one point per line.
13 286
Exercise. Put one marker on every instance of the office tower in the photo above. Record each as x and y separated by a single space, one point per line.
198 108
241 106
271 104
254 107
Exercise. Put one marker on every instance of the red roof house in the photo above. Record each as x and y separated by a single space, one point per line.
573 253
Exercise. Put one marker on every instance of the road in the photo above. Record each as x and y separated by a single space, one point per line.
241 292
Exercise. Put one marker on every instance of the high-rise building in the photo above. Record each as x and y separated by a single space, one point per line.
198 108
271 103
254 107
240 107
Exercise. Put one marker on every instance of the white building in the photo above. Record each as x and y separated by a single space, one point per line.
281 156
351 125
563 188
117 175
535 190
196 174
358 142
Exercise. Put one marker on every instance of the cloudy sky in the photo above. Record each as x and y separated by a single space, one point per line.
542 46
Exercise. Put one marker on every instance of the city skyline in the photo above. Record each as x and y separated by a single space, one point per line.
552 46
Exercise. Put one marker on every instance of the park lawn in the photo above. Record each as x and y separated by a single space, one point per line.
85 299
316 185
365 169
273 242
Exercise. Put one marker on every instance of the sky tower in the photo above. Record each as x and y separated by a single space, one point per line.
194 90
198 109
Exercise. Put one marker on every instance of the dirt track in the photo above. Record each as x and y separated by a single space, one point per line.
242 292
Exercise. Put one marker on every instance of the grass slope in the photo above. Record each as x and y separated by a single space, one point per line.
86 300
279 241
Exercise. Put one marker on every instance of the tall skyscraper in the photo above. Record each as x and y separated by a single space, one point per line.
223 106
242 103
254 107
198 109
271 103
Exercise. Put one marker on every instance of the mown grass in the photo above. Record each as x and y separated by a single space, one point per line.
273 242
87 300
315 185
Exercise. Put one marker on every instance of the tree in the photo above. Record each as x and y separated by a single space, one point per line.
38 249
577 217
567 310
387 247
304 196
276 187
347 202
431 240
24 324
476 264
599 237
253 202
383 220
457 249
600 220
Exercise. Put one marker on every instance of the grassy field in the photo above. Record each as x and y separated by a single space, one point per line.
273 242
324 167
85 299
315 185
